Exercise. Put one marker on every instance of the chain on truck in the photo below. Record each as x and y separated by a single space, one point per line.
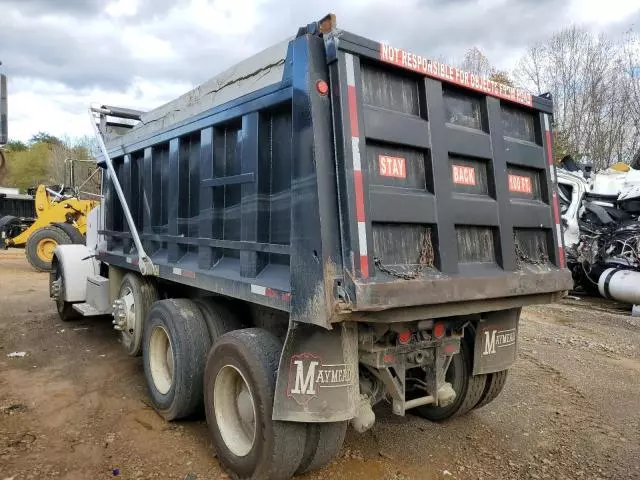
330 225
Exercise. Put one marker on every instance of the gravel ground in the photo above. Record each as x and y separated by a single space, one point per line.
75 406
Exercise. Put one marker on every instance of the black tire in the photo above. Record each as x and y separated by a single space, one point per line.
5 227
277 447
493 388
65 309
181 322
36 256
218 317
468 388
72 232
144 294
324 441
6 219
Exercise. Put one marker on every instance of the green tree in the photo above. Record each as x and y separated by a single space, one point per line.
29 167
43 137
16 146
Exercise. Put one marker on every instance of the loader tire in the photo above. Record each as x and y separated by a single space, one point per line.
493 388
175 349
469 388
4 229
324 441
72 232
6 219
41 244
240 381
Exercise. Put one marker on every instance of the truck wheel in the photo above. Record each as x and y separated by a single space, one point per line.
218 317
240 380
41 244
135 298
174 353
468 388
495 384
65 309
324 441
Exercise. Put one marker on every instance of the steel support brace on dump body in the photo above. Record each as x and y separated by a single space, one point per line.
144 262
318 374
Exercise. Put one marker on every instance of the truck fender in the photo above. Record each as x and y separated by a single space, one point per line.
318 374
76 263
71 231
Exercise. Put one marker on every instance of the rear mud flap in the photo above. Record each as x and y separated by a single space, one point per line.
496 341
318 374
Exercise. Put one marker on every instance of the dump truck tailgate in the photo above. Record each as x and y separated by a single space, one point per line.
447 182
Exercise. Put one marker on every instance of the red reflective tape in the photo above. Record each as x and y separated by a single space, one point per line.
353 111
561 259
364 266
357 180
556 209
547 135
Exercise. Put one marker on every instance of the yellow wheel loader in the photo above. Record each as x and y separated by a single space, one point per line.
61 218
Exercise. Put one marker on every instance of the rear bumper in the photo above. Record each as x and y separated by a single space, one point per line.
376 296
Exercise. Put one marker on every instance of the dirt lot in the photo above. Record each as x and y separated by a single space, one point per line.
75 406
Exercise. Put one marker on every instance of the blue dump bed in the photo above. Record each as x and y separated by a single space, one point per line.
338 176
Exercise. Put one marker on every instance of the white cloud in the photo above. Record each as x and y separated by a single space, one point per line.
599 13
142 53
61 111
122 8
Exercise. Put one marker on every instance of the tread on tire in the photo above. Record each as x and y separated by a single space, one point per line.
188 340
277 447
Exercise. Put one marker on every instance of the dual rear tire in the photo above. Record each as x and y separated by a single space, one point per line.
472 391
198 350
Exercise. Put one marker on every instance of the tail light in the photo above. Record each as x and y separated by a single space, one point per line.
404 337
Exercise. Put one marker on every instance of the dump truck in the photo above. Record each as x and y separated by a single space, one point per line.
329 225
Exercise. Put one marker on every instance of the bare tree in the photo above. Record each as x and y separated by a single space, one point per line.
589 79
477 62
